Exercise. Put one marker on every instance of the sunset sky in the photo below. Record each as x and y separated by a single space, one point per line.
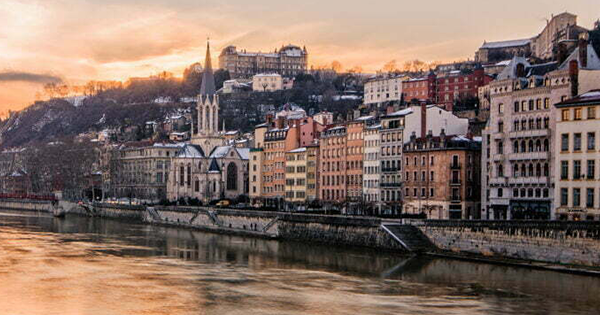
79 40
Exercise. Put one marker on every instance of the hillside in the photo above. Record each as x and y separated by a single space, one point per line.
46 121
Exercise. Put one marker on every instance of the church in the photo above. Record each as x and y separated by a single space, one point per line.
206 169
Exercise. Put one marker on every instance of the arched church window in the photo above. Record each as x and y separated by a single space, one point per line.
232 176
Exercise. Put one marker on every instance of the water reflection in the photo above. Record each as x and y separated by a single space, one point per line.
91 266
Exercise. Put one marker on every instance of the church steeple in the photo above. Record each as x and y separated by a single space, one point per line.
208 79
208 136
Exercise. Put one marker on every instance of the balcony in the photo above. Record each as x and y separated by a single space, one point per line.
455 166
390 169
455 182
456 198
528 156
528 180
498 181
528 133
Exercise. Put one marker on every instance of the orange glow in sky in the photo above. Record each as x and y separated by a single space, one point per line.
80 40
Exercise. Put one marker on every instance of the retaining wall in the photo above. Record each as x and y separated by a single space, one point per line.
576 243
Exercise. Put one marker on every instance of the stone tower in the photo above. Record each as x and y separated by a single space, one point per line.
208 136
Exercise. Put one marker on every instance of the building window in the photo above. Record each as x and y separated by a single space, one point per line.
577 115
500 147
564 197
591 169
564 169
565 115
546 103
591 113
591 140
564 147
576 197
501 126
577 142
589 201
500 192
516 109
576 169
500 108
232 174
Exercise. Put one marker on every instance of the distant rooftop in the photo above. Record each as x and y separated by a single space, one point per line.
506 43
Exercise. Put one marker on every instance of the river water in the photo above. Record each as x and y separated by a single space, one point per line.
80 265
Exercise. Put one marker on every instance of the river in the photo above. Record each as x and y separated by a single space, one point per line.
80 265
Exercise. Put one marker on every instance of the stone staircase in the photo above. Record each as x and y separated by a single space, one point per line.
410 237
153 214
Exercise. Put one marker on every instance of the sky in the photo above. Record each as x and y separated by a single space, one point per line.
74 41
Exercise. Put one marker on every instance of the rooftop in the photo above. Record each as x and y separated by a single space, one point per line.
590 98
506 43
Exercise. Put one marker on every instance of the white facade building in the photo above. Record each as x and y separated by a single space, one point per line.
381 90
371 164
577 190
437 119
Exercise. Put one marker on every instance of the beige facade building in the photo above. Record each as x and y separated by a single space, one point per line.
577 191
289 61
140 170
384 90
301 175
518 177
270 82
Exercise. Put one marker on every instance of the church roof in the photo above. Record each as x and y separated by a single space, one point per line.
220 152
214 166
593 62
191 151
208 79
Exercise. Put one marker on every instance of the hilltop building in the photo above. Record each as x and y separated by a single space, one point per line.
289 61
560 29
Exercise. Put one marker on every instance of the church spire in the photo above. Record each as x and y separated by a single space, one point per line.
208 79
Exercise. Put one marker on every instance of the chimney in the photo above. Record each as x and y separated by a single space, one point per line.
423 119
574 75
413 136
583 47
389 110
279 123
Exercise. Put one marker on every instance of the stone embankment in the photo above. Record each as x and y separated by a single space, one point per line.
527 242
556 242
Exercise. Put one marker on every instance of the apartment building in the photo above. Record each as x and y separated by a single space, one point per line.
518 178
577 190
332 157
301 177
141 170
390 157
371 169
384 90
442 177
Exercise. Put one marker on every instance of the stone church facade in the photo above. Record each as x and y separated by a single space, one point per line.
207 169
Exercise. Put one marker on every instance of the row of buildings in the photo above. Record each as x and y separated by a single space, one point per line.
442 88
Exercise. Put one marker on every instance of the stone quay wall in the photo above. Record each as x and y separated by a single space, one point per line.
554 242
557 242
337 230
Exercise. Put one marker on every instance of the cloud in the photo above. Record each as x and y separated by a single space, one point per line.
11 76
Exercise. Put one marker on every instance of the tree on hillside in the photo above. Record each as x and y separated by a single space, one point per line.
337 66
221 76
390 66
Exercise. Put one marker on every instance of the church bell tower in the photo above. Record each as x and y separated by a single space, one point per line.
208 136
